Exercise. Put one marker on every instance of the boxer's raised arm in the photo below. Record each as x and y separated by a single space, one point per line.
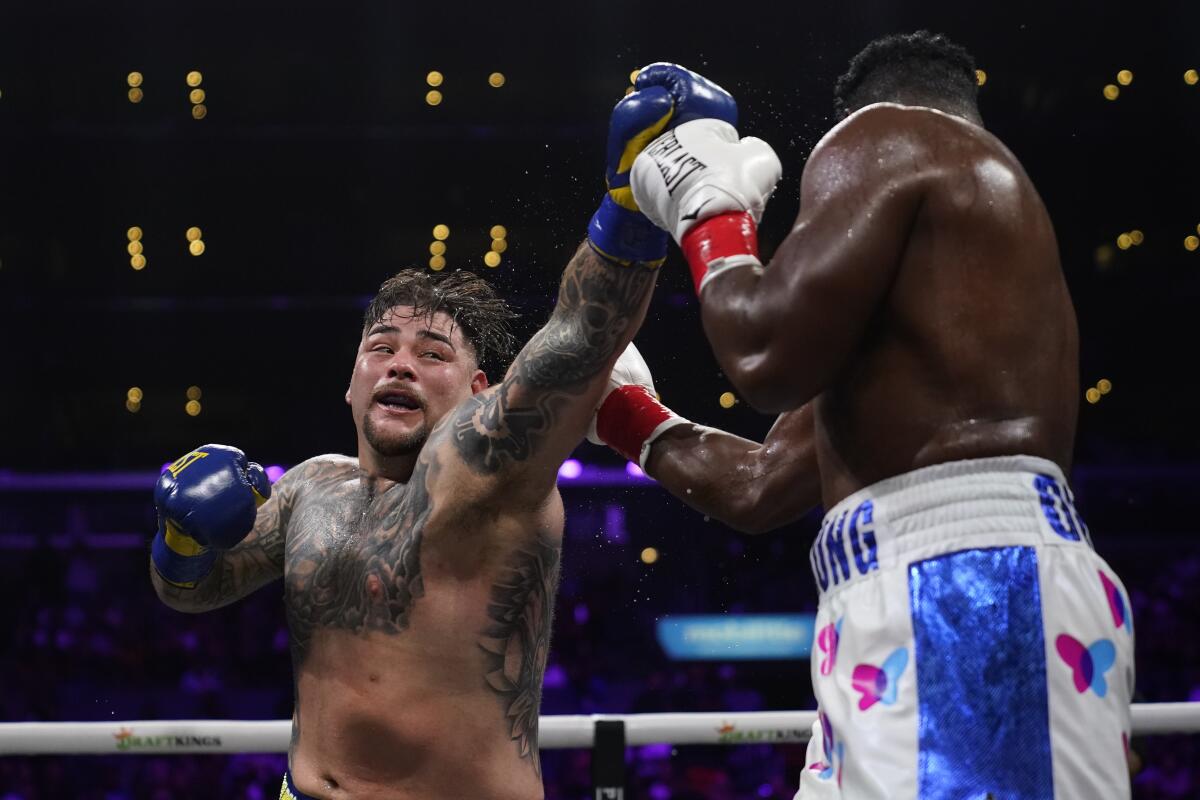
519 432
782 332
751 487
513 436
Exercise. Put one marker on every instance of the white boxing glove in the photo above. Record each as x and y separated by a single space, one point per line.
708 189
630 417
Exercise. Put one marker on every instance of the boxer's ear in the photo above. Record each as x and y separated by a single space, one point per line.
479 382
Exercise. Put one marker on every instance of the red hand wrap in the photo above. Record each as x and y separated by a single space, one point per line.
627 417
733 234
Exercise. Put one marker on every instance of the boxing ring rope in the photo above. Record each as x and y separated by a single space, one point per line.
559 731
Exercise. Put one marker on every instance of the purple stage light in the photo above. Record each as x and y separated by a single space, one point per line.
581 614
555 677
633 470
654 752
614 524
570 469
165 467
116 481
275 472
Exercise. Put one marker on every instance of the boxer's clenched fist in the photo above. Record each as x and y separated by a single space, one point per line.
630 417
207 501
666 94
700 172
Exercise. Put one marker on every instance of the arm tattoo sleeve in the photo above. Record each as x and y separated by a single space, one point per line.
597 304
255 562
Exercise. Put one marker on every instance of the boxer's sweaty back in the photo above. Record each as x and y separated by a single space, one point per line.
973 351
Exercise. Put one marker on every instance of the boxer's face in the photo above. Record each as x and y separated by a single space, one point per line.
409 373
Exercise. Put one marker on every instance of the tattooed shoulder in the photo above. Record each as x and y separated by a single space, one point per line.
322 468
510 423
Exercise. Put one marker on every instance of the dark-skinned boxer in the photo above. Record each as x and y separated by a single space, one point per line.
916 328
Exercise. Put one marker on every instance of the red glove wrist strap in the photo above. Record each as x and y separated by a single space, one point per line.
726 235
627 417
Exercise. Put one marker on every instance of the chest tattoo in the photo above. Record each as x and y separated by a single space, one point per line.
353 557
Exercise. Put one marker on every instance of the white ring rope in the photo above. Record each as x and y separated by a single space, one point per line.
273 736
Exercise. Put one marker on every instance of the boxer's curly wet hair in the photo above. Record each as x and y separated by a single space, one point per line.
466 298
919 65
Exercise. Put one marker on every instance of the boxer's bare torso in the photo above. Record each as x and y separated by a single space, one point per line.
420 617
420 623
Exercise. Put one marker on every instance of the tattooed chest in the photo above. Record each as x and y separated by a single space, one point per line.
354 563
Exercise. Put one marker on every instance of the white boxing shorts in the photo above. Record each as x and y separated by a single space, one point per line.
970 644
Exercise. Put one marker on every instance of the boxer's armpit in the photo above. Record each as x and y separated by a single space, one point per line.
598 305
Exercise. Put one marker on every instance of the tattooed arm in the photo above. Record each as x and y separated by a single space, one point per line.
253 563
513 436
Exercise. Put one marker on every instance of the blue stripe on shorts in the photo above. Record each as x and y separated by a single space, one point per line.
980 655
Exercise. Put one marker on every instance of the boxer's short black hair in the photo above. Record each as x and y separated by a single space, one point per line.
921 64
468 299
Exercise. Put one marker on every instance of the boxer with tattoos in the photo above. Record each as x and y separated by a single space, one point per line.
419 577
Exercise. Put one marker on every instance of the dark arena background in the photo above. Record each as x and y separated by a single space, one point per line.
197 200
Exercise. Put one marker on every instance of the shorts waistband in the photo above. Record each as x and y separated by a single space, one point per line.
961 504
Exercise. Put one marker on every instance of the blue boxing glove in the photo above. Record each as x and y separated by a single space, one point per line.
694 96
207 502
666 95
